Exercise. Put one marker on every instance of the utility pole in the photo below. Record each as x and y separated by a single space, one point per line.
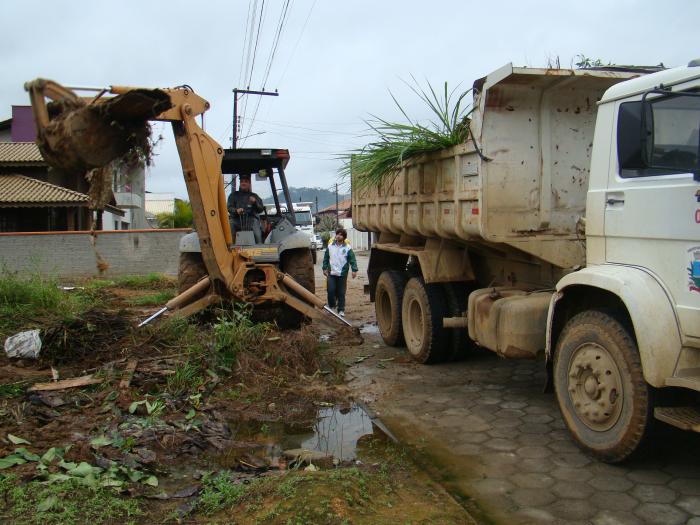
316 204
337 211
236 91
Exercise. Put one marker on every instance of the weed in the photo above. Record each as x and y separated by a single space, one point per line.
188 377
235 332
10 390
26 299
219 492
66 503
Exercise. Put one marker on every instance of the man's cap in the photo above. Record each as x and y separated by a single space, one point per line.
245 176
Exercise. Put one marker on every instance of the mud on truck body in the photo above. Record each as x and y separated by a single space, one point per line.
567 225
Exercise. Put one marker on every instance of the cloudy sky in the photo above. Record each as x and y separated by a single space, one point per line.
334 63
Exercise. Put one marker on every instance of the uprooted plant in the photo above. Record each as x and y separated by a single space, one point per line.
397 142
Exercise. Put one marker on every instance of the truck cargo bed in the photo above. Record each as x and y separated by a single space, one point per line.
523 184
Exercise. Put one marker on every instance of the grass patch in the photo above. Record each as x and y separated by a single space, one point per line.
64 503
151 281
158 298
26 301
219 492
10 390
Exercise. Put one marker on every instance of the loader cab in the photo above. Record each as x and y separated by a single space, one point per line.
279 233
266 166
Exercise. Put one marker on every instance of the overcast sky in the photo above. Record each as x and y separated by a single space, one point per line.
335 61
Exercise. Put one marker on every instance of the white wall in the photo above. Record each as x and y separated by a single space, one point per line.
358 240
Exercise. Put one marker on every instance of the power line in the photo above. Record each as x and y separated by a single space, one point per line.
255 53
245 39
271 58
296 44
276 41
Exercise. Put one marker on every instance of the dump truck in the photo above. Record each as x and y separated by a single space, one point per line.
567 225
103 129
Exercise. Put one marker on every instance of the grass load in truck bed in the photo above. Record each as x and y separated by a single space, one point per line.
397 142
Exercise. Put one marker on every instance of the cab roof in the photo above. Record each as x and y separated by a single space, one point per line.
252 160
639 85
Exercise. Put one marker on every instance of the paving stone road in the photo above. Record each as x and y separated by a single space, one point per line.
498 439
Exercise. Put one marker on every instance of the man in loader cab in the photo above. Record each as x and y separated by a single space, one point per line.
244 208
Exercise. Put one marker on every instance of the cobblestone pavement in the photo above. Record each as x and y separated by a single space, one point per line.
496 438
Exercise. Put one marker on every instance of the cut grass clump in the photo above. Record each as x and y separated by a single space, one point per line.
397 142
64 503
25 301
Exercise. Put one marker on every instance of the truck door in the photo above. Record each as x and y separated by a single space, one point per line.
652 210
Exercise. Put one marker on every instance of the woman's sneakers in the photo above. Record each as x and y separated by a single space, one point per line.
341 313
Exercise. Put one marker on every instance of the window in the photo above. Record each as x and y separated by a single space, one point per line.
303 218
672 139
675 123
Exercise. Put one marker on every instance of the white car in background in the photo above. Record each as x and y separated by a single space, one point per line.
316 242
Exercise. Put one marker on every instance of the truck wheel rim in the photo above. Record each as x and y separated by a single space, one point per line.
595 387
415 326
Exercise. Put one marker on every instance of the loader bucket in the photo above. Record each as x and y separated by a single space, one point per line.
81 136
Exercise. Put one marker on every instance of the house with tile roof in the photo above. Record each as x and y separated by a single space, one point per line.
50 200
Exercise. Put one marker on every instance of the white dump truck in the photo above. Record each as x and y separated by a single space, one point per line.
569 225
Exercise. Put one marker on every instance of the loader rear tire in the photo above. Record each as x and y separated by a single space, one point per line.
387 306
298 264
422 310
190 270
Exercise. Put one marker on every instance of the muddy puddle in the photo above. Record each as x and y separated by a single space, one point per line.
333 439
369 329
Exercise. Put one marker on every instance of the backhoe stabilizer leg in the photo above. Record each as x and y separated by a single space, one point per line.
188 301
320 309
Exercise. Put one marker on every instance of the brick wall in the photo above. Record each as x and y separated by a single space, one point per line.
72 254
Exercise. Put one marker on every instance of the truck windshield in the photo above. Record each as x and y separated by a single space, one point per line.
303 218
675 140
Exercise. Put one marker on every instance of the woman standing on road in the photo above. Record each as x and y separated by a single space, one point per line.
337 261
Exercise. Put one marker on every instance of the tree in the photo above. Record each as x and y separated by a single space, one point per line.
181 218
326 222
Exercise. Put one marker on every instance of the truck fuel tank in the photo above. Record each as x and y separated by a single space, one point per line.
508 321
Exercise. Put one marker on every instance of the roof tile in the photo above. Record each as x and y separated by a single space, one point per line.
18 189
20 154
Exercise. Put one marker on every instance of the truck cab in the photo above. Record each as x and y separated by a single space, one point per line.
639 288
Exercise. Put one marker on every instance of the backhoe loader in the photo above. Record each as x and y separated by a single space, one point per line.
88 134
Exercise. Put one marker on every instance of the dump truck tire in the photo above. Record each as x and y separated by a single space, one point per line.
422 310
299 264
190 270
600 387
388 297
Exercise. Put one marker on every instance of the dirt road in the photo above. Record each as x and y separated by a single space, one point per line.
484 428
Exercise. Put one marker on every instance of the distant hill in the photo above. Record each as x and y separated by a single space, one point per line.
325 197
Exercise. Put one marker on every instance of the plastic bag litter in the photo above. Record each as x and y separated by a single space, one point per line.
25 345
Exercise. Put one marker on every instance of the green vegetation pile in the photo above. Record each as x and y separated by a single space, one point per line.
397 142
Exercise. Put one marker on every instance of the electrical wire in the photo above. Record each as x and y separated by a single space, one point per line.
308 16
245 40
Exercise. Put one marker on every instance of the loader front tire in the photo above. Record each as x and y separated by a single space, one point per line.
190 270
299 264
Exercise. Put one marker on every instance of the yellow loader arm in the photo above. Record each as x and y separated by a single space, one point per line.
80 134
